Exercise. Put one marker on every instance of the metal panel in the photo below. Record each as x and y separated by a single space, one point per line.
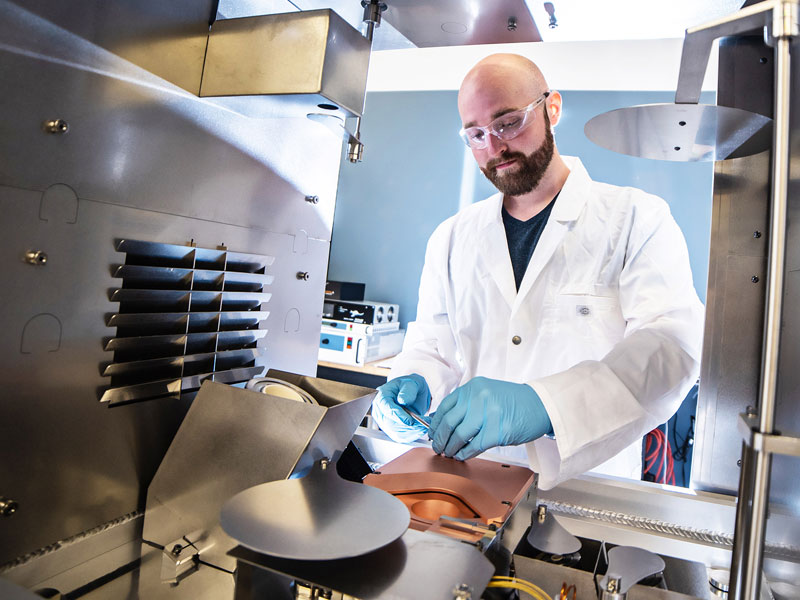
311 53
165 38
145 160
735 302
730 375
456 22
137 140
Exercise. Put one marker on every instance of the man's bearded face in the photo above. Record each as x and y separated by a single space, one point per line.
530 169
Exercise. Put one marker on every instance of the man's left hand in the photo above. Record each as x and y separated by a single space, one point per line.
484 413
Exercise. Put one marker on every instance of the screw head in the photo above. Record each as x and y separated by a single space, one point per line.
302 275
312 199
739 463
754 279
756 234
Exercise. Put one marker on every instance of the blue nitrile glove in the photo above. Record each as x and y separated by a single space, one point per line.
484 413
412 392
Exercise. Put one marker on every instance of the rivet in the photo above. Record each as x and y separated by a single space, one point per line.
55 126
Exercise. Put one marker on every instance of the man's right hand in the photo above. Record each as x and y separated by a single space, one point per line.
410 391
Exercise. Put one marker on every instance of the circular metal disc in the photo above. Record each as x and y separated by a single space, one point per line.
681 132
318 517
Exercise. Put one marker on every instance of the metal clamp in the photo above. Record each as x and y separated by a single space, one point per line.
771 443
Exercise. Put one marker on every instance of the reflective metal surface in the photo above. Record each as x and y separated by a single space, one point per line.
548 535
233 439
458 23
313 53
143 160
317 517
630 565
418 566
678 132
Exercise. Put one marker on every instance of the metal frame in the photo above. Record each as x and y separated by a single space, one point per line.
779 18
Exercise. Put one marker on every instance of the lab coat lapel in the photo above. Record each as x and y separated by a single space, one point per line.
567 209
498 260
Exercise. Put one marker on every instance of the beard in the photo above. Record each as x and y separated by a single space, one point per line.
532 167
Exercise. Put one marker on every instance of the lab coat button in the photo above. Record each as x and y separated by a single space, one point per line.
516 340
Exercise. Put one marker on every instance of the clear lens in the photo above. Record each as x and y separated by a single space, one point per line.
505 127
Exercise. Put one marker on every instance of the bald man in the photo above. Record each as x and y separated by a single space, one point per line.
558 315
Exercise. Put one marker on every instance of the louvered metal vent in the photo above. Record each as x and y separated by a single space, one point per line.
186 315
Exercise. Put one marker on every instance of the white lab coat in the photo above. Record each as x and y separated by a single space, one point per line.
610 325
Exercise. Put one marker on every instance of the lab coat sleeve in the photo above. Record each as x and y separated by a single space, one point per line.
598 408
429 348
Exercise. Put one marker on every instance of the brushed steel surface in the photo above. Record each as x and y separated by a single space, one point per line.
430 23
310 52
729 380
137 140
678 132
548 535
233 439
165 38
418 566
317 517
143 160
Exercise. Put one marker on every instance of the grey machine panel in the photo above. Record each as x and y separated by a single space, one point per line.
731 365
142 159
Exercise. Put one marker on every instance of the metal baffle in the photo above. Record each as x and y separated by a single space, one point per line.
233 439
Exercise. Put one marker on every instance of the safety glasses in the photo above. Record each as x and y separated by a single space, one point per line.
505 127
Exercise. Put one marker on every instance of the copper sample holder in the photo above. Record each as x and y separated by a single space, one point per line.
462 499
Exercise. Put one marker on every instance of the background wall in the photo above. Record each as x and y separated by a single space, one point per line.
417 172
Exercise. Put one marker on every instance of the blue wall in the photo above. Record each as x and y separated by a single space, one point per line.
411 177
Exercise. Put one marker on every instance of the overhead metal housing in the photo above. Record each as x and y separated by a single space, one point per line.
310 59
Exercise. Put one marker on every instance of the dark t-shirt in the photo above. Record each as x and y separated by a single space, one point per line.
522 238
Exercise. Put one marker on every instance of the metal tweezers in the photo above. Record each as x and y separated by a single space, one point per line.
417 418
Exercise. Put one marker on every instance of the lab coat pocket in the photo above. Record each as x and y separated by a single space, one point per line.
586 326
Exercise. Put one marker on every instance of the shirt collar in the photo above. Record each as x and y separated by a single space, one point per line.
571 199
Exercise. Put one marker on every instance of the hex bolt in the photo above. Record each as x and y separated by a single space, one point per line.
754 279
312 199
7 507
756 234
512 24
302 275
55 126
36 257
462 592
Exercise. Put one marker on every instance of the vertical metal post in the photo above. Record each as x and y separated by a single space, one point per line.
744 512
751 551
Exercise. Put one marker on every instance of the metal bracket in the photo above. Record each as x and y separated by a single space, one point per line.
780 15
771 443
